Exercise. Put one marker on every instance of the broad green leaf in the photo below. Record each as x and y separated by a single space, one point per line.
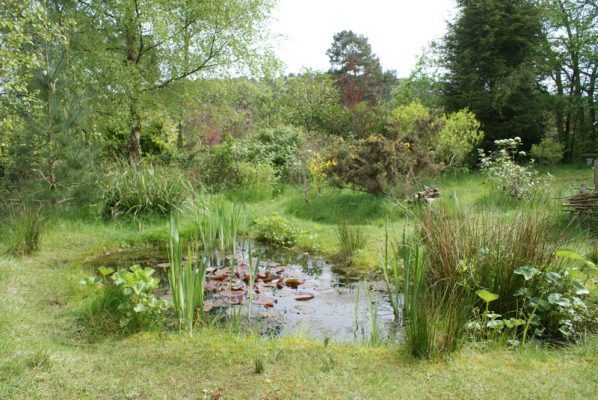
105 271
486 295
495 324
528 272
576 256
556 298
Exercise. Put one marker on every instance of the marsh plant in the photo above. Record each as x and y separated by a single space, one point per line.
435 310
26 225
351 239
392 272
187 281
218 223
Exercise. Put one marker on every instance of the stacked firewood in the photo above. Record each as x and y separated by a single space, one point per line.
586 202
427 195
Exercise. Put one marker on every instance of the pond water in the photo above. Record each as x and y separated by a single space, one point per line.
295 293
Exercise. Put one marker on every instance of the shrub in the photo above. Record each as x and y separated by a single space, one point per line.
144 189
256 182
377 163
500 168
458 137
548 151
275 230
278 147
25 231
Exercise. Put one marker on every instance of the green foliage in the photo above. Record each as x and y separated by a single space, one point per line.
127 296
552 304
25 231
351 239
275 230
378 164
491 54
548 151
187 280
518 181
403 118
143 189
458 137
435 309
357 70
256 182
217 223
277 146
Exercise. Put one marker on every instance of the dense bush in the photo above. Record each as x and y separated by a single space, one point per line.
275 230
143 189
376 164
548 151
458 137
277 146
256 181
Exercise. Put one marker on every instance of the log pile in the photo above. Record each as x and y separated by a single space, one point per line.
427 195
586 202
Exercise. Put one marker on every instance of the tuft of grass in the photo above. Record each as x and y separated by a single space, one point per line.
484 251
435 310
143 189
25 231
350 238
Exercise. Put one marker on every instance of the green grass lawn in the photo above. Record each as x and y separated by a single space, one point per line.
46 353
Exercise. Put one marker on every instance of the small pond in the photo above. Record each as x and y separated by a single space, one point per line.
295 293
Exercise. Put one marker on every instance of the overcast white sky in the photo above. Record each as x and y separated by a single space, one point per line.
397 29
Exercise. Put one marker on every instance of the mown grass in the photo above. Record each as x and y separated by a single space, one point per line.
46 352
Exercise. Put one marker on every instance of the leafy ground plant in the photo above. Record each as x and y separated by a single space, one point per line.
127 295
275 230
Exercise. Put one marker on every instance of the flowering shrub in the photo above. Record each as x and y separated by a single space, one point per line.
499 166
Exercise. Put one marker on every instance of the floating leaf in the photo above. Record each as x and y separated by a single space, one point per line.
486 295
304 297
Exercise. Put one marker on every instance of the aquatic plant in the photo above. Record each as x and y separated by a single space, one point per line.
392 273
187 280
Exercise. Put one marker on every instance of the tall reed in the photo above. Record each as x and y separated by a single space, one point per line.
435 311
392 273
218 224
187 280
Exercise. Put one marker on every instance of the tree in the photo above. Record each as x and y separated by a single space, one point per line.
356 69
572 27
132 49
490 52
